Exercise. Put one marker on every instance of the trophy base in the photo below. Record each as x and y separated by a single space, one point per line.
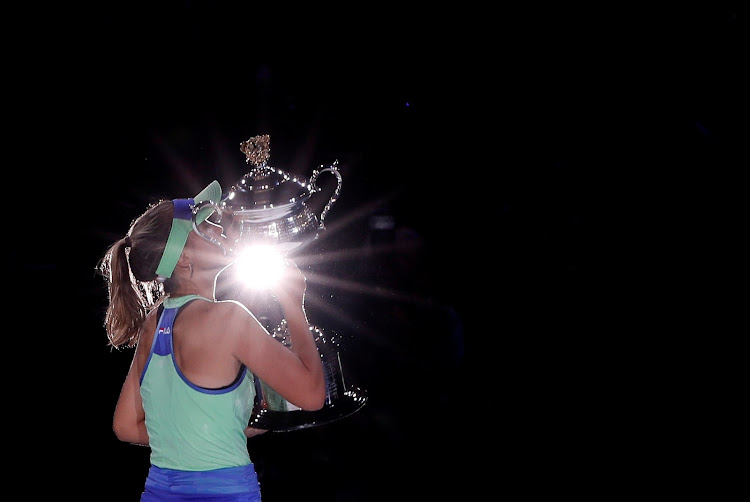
281 421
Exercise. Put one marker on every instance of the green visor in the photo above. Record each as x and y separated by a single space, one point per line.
182 224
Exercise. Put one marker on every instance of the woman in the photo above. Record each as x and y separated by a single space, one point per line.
189 392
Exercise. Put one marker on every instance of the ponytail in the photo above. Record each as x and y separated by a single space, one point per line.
129 268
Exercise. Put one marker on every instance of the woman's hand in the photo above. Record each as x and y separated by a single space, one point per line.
252 431
291 286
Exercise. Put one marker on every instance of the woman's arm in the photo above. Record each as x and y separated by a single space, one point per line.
129 422
296 373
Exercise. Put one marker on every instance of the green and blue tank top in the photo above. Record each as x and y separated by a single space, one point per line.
192 428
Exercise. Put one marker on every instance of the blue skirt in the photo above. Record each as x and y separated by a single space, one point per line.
232 484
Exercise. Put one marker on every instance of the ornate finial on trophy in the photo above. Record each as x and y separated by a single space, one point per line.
257 150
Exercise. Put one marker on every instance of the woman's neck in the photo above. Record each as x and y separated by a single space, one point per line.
186 288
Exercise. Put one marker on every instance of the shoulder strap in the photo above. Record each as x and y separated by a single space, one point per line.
163 335
167 315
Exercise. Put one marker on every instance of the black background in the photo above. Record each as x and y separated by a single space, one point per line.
525 155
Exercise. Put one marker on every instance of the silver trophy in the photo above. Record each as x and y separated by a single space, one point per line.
267 208
268 205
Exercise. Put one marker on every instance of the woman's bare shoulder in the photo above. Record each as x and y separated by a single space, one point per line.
230 307
229 312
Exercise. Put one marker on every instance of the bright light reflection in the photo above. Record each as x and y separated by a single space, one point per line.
259 267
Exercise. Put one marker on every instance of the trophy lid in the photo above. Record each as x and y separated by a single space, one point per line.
264 187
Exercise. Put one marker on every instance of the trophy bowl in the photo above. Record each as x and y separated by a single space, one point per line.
268 207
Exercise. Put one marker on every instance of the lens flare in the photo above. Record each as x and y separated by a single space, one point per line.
259 267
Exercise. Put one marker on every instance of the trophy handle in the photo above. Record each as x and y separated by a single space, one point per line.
220 211
335 170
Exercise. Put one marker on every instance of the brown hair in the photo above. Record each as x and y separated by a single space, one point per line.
129 268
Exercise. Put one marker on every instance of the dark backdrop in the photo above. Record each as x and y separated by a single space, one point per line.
515 153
